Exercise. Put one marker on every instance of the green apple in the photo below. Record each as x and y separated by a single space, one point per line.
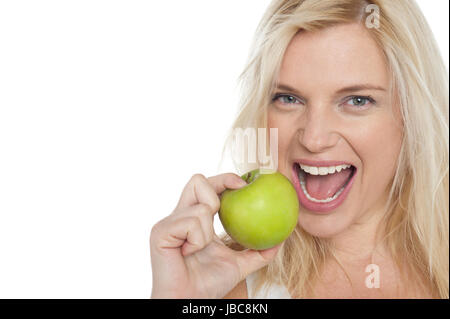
261 214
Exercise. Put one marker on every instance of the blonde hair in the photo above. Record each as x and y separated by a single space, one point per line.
417 210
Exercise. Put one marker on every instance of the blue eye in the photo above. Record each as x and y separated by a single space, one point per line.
360 101
285 99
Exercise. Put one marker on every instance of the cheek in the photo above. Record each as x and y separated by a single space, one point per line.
286 131
379 147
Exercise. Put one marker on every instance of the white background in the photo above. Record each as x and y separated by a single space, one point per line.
106 110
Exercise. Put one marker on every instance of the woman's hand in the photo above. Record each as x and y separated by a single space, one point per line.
188 259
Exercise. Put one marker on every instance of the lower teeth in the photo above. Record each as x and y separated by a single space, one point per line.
327 200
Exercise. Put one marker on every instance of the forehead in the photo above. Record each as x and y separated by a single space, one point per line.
332 58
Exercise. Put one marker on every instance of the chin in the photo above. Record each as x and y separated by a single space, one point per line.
323 226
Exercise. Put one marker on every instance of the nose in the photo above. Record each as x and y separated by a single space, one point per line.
317 132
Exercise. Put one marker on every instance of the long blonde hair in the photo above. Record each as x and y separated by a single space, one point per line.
417 211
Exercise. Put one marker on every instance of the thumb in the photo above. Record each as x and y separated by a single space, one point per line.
251 260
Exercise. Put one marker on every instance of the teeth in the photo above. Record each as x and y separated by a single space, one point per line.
327 200
313 170
323 171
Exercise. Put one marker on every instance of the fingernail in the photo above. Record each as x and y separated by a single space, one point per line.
240 182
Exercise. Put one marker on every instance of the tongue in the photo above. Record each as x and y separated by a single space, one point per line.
324 186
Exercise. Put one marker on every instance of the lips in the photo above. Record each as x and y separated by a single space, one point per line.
301 176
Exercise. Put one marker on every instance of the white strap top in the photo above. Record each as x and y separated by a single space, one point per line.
267 291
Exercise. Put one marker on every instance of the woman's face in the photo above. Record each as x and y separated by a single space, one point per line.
339 131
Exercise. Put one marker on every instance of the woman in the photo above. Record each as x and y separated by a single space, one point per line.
349 82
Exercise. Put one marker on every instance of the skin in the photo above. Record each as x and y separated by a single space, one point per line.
318 122
323 124
190 261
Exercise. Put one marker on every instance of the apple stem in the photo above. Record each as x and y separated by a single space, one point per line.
251 176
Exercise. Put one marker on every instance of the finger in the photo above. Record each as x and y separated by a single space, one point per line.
251 260
218 240
205 214
224 181
202 190
198 190
182 233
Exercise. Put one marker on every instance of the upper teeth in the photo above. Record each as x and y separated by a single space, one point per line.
313 170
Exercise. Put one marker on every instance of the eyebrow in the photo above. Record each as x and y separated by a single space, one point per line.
360 87
352 88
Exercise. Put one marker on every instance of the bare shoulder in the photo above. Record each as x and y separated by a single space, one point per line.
238 292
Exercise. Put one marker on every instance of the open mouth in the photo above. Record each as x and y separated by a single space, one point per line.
322 188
